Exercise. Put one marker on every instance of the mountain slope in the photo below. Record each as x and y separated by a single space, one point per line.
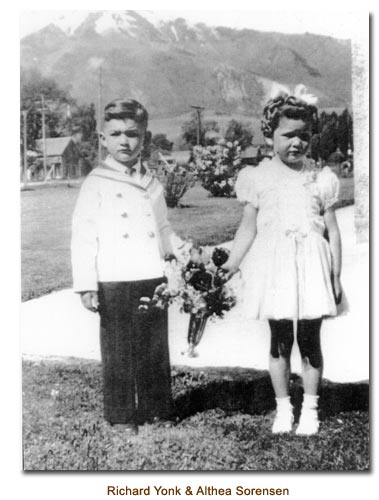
173 64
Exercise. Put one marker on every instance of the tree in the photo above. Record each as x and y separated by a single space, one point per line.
83 119
345 131
190 128
314 147
239 131
160 141
63 115
328 139
33 87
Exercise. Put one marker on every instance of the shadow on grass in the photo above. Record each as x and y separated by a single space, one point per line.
251 391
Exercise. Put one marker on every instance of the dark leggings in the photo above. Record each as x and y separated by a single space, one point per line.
308 339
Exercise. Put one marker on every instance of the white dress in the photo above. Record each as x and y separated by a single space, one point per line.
287 271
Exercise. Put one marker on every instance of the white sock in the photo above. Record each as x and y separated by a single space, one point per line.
309 422
284 416
283 404
310 402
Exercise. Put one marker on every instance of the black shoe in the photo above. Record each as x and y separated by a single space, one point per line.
129 429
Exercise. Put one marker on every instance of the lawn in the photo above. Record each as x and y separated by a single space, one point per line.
46 213
64 428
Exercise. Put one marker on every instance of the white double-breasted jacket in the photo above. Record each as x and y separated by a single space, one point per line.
120 230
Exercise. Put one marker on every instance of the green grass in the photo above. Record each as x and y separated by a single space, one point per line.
64 430
46 213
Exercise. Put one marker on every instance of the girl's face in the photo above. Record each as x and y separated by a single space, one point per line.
123 139
291 140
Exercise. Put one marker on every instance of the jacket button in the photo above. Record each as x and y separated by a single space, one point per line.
151 234
125 235
148 214
124 214
146 196
119 195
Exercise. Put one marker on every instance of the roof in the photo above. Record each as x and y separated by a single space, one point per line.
250 152
55 146
181 156
178 156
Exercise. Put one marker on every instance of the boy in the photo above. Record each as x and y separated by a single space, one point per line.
120 233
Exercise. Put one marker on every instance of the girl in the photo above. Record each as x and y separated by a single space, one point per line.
291 271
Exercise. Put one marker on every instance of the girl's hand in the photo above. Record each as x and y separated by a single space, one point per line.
90 300
337 289
229 269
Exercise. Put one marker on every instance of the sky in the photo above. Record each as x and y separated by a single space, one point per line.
339 24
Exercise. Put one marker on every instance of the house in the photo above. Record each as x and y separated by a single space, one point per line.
181 157
62 155
252 155
159 161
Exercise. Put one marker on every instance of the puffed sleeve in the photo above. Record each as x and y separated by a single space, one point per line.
246 186
329 187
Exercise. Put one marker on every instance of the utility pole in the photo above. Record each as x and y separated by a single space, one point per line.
99 116
25 163
198 109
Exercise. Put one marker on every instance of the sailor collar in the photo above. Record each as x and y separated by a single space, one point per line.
113 170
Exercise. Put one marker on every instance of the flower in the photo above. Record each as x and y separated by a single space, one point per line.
220 256
196 282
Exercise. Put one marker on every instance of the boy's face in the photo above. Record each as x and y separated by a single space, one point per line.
291 140
123 139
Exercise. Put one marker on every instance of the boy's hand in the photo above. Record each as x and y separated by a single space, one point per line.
90 300
169 257
337 289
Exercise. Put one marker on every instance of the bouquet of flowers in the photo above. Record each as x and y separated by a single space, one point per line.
197 282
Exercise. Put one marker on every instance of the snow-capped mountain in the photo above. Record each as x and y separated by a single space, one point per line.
170 64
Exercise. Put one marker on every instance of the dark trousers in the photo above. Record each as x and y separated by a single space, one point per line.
135 354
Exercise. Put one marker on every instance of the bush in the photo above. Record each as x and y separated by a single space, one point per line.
217 167
239 131
176 180
160 142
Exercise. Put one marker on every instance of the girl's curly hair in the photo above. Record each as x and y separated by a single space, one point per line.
290 107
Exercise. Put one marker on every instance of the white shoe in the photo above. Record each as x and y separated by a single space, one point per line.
308 423
283 421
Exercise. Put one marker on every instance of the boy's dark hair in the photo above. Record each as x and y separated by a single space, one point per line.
121 109
289 107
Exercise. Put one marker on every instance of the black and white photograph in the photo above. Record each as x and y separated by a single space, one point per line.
194 220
